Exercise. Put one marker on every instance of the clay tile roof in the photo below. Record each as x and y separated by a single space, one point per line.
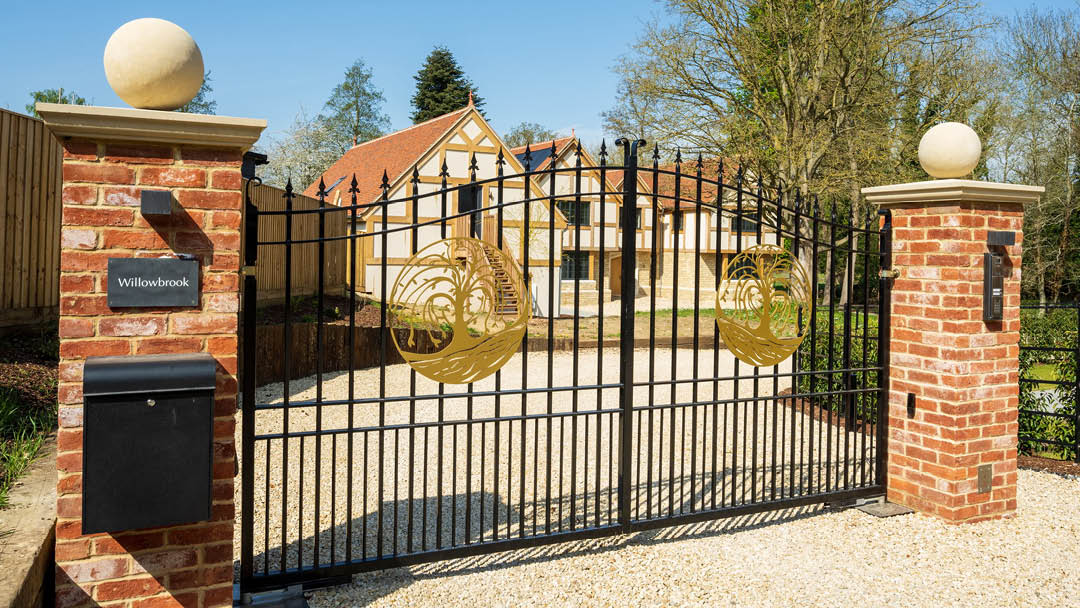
394 153
615 176
688 183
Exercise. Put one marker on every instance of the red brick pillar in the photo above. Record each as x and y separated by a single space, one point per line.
110 154
961 370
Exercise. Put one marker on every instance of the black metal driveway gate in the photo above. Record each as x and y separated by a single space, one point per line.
686 407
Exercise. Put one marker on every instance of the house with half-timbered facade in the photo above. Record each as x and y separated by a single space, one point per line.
687 234
591 262
587 221
415 162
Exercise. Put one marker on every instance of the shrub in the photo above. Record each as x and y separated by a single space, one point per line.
814 355
1039 401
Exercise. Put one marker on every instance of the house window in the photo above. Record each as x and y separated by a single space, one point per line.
637 219
744 268
577 213
575 265
746 222
469 200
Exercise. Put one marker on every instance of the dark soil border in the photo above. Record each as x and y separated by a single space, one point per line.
821 414
1049 465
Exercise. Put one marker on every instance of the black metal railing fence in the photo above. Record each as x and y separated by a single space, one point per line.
1049 418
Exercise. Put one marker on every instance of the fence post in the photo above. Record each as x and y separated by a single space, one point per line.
626 335
884 322
954 452
248 363
112 156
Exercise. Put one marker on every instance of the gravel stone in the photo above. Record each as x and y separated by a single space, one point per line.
806 556
798 557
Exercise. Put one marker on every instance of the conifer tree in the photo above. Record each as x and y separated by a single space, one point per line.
441 87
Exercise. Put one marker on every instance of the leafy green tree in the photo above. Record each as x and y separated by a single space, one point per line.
784 84
528 133
53 96
441 87
1042 145
302 153
201 103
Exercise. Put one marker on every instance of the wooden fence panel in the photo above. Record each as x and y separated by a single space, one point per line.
270 265
30 185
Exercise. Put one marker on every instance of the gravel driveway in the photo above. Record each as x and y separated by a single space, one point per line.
801 557
424 476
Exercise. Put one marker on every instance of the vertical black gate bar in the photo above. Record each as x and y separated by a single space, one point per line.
812 400
526 226
600 342
443 174
316 556
736 405
626 336
247 482
657 250
797 460
675 213
1076 393
863 395
830 284
778 425
414 182
477 212
499 162
757 376
697 340
884 313
287 396
353 190
717 276
845 379
577 337
551 337
384 207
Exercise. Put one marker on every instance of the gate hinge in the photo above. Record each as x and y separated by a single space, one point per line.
247 271
891 273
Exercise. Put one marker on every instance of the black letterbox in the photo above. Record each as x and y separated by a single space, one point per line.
148 426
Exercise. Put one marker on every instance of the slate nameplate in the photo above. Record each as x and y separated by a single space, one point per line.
153 282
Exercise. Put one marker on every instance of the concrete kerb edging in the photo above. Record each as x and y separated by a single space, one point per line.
29 521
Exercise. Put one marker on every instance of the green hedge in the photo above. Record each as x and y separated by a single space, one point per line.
1057 329
814 356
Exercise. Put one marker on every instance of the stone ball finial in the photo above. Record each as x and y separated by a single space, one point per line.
153 64
950 149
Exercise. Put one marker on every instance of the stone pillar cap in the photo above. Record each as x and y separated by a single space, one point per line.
158 126
946 191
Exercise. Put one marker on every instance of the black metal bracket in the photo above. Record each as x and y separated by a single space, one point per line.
1000 238
155 202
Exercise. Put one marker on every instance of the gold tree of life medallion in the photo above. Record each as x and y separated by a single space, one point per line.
763 307
470 300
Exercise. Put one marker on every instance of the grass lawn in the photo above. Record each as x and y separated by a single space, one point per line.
1043 371
588 326
684 320
28 363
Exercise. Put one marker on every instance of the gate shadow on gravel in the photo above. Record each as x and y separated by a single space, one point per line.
510 559
383 582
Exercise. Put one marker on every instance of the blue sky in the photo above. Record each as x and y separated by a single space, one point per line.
547 61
